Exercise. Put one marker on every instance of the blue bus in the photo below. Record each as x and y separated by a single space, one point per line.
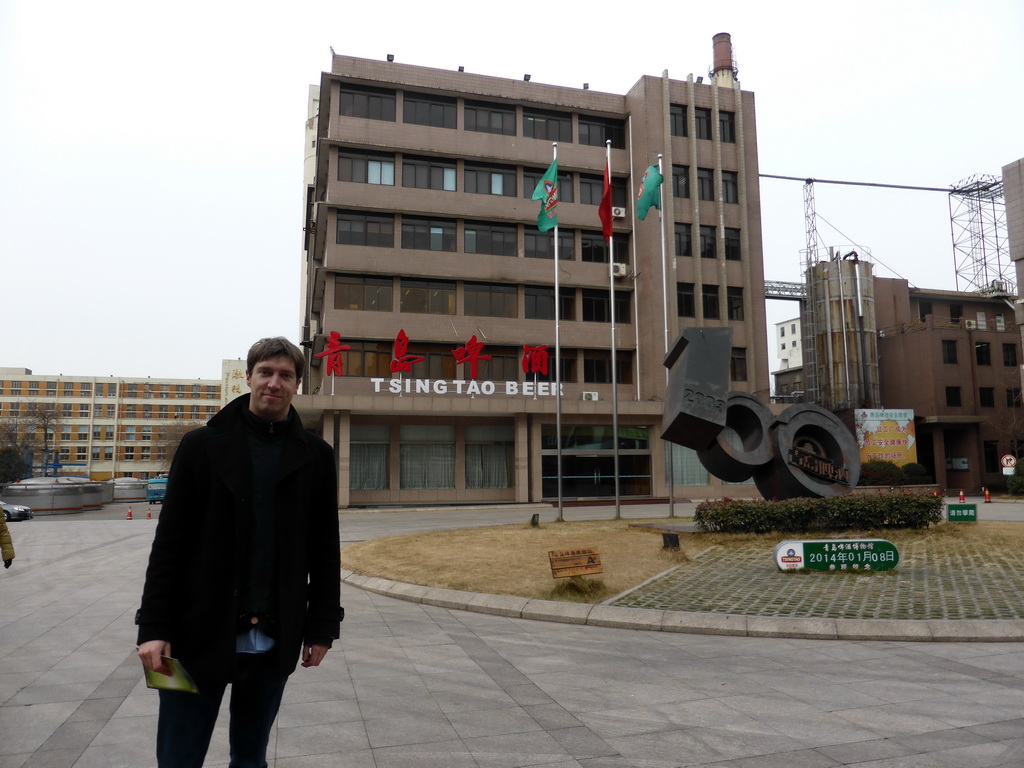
155 490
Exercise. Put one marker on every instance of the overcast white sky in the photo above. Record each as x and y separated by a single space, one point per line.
151 154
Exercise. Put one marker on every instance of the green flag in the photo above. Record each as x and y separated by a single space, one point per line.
650 192
547 193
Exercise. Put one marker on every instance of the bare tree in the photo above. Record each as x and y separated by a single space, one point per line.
32 430
169 438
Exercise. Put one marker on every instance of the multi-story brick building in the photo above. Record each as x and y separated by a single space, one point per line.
99 427
954 358
422 245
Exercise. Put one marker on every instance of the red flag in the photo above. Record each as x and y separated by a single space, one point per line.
605 209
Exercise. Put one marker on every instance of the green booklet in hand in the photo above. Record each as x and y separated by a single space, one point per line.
178 680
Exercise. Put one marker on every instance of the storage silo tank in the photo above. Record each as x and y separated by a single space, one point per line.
840 321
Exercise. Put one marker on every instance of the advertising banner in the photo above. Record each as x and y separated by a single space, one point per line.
886 435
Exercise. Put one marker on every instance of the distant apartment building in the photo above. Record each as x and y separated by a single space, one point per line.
102 427
429 291
788 379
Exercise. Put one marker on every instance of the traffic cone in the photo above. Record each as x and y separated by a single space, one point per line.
129 515
988 497
962 499
149 514
935 492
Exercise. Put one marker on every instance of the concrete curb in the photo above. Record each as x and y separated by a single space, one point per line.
932 630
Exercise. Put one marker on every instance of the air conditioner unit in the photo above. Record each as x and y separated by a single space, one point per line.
618 213
590 396
970 325
620 270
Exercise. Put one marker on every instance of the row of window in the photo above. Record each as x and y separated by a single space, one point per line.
441 174
986 397
105 389
440 297
106 453
480 116
982 353
436 234
686 304
705 184
129 411
680 126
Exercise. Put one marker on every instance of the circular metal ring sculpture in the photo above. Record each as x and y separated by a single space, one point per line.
750 420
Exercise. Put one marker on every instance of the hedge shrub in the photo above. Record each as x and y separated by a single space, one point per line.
880 473
1015 482
859 512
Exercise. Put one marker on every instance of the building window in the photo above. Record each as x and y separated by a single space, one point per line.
540 303
433 297
368 358
435 111
366 168
708 249
727 126
705 184
924 308
490 180
681 181
551 126
703 119
709 297
683 240
738 364
953 397
596 307
541 245
990 452
677 120
594 248
987 397
428 234
489 300
734 302
597 367
532 177
490 456
685 303
592 190
494 239
949 356
956 311
365 229
427 456
983 352
1013 398
369 294
1010 355
730 187
594 131
369 458
733 250
371 103
501 367
490 118
424 173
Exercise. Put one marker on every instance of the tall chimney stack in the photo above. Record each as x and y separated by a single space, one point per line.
724 69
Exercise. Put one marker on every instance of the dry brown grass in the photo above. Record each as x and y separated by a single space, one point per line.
513 559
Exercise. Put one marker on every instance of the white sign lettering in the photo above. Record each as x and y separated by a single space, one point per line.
458 387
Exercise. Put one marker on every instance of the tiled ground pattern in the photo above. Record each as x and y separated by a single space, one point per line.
970 584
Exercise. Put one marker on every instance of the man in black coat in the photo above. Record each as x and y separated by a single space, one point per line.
244 574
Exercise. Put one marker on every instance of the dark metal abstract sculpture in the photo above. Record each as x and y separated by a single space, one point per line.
804 451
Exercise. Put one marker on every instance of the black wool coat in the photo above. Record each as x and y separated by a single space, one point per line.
199 558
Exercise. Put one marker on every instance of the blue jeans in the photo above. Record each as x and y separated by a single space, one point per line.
187 719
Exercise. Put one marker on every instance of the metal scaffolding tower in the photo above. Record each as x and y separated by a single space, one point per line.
807 324
981 252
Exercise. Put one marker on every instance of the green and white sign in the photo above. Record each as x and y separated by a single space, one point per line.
837 555
962 513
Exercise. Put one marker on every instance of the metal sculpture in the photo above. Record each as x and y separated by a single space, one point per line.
804 451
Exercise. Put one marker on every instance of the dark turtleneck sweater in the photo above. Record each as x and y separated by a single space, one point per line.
266 447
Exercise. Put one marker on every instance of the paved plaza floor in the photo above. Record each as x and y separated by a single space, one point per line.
412 684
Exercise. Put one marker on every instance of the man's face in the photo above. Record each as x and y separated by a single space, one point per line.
273 383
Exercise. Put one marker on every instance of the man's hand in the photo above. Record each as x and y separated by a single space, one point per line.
7 563
312 655
152 653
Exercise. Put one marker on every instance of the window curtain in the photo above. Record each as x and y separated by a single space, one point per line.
368 467
427 466
688 469
489 466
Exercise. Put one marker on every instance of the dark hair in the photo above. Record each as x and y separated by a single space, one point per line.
264 349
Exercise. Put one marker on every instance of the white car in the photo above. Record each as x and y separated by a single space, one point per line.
14 512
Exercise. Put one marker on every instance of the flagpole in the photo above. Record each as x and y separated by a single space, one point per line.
558 362
615 377
664 304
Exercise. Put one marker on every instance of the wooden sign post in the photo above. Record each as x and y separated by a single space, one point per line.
574 562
